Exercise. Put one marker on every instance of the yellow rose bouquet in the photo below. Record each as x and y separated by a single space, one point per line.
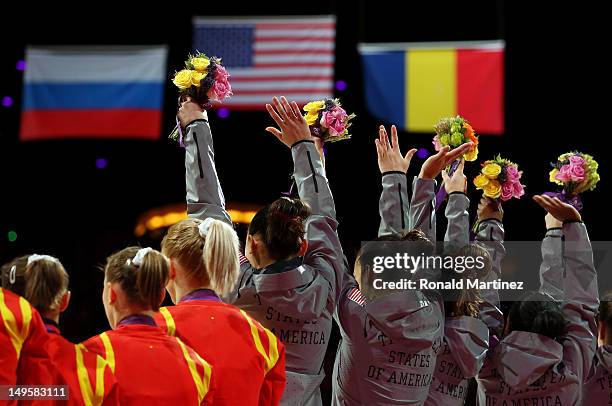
500 178
205 80
328 120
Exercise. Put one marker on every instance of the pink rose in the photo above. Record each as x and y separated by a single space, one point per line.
576 160
518 189
334 120
564 174
221 89
507 191
576 172
512 173
436 143
221 73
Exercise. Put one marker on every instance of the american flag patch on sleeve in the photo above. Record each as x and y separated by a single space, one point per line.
243 259
356 296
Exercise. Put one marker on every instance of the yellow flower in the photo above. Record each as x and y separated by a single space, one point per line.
492 189
312 110
182 79
471 155
480 181
196 77
552 176
491 170
200 64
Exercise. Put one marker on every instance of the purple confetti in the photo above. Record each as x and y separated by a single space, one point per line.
223 112
101 163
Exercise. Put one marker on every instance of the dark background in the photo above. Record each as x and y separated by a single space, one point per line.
59 203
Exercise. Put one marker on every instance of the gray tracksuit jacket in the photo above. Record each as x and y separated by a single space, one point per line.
597 390
531 369
466 339
388 350
294 299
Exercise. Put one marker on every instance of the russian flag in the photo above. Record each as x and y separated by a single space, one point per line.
93 92
413 85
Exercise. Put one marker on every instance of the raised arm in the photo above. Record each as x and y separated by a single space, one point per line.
394 203
579 287
204 194
552 268
422 206
490 234
324 251
458 219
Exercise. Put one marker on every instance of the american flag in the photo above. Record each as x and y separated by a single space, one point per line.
270 56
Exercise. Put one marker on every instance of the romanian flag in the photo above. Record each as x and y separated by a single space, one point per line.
413 85
101 92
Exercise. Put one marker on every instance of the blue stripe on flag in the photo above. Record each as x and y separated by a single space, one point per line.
52 96
384 85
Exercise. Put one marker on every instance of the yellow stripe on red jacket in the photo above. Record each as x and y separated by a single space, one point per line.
24 358
153 368
236 345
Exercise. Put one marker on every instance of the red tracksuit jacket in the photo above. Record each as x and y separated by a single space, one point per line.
24 359
89 378
152 368
248 359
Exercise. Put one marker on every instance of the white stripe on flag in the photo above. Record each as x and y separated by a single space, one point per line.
293 58
280 72
283 84
292 45
300 33
96 64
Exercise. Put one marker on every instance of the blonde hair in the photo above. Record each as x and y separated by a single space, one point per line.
144 284
211 260
43 282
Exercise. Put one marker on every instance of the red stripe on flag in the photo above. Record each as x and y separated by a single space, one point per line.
263 92
260 52
480 89
50 124
277 78
324 40
284 26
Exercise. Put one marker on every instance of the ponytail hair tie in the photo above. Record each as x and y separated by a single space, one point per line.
13 275
35 258
204 226
139 257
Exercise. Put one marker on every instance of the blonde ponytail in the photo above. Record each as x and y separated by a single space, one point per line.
207 251
220 256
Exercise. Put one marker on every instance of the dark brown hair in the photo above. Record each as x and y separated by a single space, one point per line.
281 225
42 283
144 284
468 300
605 310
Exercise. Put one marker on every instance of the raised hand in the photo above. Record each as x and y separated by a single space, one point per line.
436 163
190 111
293 126
489 209
457 182
561 211
389 156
